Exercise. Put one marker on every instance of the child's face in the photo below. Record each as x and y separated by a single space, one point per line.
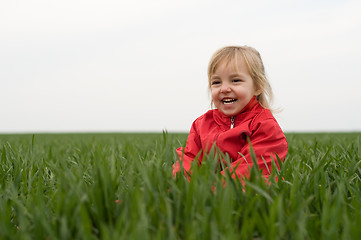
231 89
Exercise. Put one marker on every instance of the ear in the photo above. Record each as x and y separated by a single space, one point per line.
257 92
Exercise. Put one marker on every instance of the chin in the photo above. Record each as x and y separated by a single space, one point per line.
229 114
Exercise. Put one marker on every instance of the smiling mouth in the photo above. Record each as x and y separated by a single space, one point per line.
228 101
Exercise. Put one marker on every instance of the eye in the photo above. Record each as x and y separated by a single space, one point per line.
215 82
236 80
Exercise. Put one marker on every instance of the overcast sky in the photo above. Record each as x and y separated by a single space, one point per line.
140 65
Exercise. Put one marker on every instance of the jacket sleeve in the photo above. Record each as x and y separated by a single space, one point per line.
267 140
189 153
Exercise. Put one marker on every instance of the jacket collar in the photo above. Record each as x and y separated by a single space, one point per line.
222 119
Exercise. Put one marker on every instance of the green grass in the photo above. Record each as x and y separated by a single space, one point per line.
64 186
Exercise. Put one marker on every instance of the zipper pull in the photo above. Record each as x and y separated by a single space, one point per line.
232 122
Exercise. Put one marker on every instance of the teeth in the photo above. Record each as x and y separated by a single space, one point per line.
228 101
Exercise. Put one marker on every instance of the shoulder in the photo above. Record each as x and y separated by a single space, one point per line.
204 121
263 116
205 117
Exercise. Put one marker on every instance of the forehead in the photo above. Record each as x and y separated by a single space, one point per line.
236 64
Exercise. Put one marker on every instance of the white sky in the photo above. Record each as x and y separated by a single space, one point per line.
140 65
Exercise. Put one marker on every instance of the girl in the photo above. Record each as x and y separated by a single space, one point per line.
239 90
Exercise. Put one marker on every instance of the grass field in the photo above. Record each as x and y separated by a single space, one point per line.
64 186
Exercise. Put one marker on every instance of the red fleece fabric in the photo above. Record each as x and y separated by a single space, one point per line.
214 127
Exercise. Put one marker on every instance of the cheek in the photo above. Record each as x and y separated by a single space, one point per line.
242 93
214 94
246 92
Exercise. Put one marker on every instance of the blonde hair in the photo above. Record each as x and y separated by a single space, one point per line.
253 60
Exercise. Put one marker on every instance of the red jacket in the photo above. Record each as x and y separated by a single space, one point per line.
253 121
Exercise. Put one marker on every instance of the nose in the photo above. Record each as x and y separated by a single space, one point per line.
225 88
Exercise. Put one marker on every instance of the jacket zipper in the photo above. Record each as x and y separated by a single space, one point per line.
232 122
